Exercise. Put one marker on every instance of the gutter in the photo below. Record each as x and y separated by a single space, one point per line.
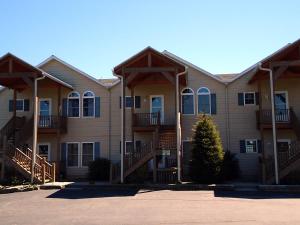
273 120
178 134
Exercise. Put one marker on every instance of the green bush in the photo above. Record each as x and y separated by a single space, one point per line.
230 168
207 152
99 170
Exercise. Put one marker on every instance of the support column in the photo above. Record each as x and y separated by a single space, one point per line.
132 115
58 134
154 147
123 86
15 114
178 129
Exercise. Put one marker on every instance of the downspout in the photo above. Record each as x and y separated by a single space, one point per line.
35 124
273 121
122 119
227 118
178 125
109 124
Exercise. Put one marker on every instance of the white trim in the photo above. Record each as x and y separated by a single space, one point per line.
284 140
87 97
49 149
256 146
53 57
209 97
50 105
78 104
254 97
67 154
187 94
81 155
162 116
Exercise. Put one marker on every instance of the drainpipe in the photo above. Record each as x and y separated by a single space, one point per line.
109 125
273 121
122 129
35 126
178 125
227 118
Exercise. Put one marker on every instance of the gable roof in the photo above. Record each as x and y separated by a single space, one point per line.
183 61
55 58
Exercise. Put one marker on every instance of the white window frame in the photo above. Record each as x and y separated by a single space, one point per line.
88 97
81 151
78 104
49 149
209 97
249 92
188 94
256 145
20 99
67 152
287 97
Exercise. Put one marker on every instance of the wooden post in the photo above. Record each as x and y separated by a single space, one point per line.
15 114
58 131
132 115
123 125
154 146
3 157
53 171
43 173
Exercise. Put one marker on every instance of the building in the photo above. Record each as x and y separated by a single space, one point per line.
79 118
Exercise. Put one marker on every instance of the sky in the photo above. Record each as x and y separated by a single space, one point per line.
94 36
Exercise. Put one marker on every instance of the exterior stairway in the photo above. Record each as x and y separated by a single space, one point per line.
20 157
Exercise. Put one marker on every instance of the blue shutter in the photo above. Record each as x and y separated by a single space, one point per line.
97 106
213 101
259 146
10 105
26 105
120 102
242 146
241 98
63 152
65 107
257 98
97 150
137 102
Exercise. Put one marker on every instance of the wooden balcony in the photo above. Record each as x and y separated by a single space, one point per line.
52 124
283 118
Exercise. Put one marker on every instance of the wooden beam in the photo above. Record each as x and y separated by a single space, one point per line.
149 60
16 75
279 72
169 77
28 81
131 77
285 63
10 66
149 69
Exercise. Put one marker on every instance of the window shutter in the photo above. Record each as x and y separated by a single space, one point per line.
120 147
26 105
65 107
138 146
120 102
257 98
213 100
241 98
97 150
242 146
259 146
97 106
63 152
137 102
10 105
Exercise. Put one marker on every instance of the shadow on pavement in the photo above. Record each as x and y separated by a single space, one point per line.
81 193
255 195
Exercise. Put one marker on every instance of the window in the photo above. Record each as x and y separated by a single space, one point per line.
73 104
73 154
187 101
20 105
87 154
204 100
251 146
128 147
249 98
88 106
44 150
129 101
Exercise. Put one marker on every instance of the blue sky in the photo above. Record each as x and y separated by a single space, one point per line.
218 36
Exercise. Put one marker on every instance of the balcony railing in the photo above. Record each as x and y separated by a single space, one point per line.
152 119
281 116
53 122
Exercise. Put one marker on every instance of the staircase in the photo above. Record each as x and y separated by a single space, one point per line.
12 144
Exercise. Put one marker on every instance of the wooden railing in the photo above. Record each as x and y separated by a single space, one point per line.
167 140
53 122
281 116
167 175
146 119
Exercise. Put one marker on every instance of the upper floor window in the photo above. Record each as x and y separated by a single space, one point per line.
20 105
204 104
73 104
249 98
187 101
88 106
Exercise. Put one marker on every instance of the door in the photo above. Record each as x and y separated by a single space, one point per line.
156 106
44 150
281 106
45 113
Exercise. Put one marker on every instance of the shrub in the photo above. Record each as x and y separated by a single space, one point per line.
207 152
230 168
99 170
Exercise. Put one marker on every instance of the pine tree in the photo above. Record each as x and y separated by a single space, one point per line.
207 152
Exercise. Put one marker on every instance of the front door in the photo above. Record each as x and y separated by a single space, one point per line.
281 106
156 106
45 112
44 150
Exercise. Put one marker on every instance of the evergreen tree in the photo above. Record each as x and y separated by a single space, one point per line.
207 152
